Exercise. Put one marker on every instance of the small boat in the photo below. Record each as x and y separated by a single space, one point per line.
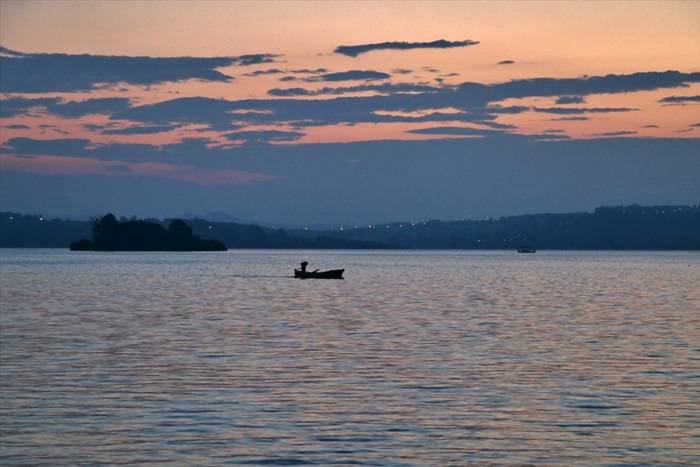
330 274
302 273
526 249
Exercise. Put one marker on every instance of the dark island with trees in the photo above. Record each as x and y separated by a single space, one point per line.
108 234
606 228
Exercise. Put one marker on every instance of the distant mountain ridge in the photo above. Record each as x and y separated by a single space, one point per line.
631 227
222 217
606 228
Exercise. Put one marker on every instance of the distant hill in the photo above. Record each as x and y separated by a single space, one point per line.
607 228
254 236
30 231
223 218
216 216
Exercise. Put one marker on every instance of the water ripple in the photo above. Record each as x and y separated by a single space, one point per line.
417 358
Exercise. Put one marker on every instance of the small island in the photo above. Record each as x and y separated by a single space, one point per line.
108 234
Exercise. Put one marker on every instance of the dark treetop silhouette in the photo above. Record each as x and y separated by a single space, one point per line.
108 234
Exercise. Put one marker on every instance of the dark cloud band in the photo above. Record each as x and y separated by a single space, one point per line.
355 50
37 73
570 100
581 110
615 133
362 75
679 99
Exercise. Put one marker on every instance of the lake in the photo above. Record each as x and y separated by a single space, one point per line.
444 358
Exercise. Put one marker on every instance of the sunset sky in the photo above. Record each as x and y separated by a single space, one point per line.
347 112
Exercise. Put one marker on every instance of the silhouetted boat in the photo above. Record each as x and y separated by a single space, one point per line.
526 249
330 274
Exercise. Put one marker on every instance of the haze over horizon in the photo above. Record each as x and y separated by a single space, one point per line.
329 113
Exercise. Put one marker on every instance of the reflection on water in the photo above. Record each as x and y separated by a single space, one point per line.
416 358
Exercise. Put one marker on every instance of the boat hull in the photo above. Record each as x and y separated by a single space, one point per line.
331 274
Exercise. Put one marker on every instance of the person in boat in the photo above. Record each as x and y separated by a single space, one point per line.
303 266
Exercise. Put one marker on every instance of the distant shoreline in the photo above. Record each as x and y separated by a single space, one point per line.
619 228
402 250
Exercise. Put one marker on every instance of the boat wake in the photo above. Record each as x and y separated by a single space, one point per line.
258 276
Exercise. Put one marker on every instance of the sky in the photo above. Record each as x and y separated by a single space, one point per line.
343 113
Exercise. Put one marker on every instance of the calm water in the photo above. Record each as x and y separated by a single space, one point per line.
416 358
